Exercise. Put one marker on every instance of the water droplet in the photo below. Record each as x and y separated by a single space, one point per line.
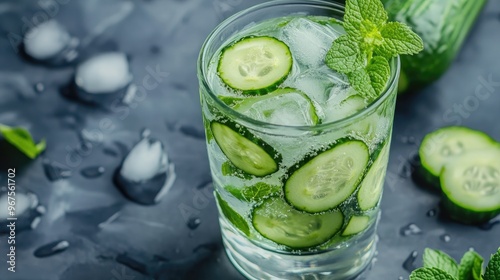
409 263
28 211
192 131
405 170
193 223
410 229
404 139
132 263
489 225
39 87
401 278
92 172
146 173
52 248
432 213
154 49
55 171
110 152
445 237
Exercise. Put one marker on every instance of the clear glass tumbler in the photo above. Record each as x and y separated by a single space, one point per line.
249 205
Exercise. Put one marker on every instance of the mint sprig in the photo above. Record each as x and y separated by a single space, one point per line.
439 265
363 53
253 193
22 140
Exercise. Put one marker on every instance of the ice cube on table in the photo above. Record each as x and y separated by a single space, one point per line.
27 210
46 40
146 174
308 41
104 73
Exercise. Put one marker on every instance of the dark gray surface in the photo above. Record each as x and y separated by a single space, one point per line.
168 35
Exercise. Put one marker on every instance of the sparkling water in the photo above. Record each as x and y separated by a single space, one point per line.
302 134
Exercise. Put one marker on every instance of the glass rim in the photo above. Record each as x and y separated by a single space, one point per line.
204 60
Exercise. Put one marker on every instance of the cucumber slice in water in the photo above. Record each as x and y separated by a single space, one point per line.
328 179
281 223
244 150
285 106
356 225
471 186
255 65
371 188
440 146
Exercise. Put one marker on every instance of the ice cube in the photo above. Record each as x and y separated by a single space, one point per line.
283 107
27 210
46 40
308 40
104 73
343 103
146 173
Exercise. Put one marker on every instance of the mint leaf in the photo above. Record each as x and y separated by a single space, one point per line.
430 273
379 72
254 193
441 260
229 169
22 140
358 10
236 219
345 56
471 266
398 38
493 267
361 82
208 131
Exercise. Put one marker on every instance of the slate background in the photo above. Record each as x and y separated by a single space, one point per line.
168 35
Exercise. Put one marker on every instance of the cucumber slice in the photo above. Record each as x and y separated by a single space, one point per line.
244 150
276 220
356 225
471 186
255 65
371 188
326 180
440 146
285 106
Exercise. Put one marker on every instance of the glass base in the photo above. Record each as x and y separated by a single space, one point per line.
343 263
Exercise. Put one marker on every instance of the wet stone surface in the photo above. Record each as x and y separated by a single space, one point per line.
116 237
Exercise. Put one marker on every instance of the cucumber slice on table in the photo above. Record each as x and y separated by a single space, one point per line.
356 225
281 223
371 188
285 106
471 186
244 150
255 65
328 179
440 146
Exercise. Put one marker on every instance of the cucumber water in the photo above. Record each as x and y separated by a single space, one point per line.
292 173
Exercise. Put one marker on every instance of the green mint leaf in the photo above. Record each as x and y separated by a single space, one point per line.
430 273
493 267
229 169
398 38
345 56
254 193
361 82
358 10
236 219
371 35
441 260
379 72
471 266
22 140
